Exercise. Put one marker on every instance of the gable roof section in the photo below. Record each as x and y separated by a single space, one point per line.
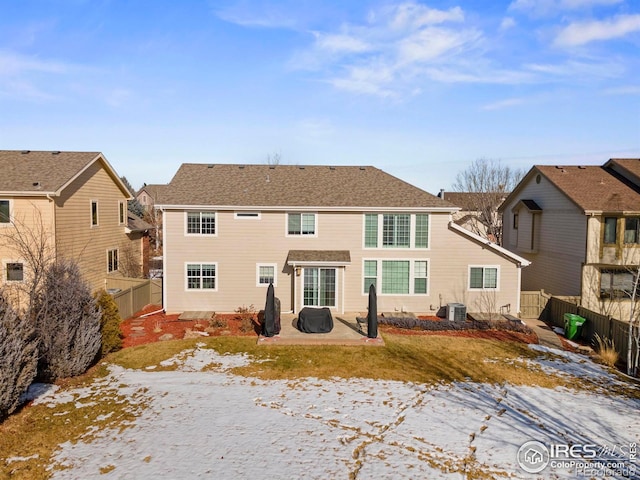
26 172
593 189
136 224
294 186
468 200
503 252
627 167
154 190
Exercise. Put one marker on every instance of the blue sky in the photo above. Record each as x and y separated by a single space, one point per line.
419 89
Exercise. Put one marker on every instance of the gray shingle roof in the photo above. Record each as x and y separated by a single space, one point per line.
137 224
291 186
39 171
154 190
331 256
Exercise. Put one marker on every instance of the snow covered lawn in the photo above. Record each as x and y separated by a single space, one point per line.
201 421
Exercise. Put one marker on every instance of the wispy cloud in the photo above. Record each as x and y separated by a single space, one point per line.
623 90
14 64
258 14
539 8
581 33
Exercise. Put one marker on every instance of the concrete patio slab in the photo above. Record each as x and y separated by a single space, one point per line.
345 332
195 315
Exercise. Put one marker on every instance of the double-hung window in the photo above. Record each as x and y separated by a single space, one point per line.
266 273
483 278
5 212
201 223
396 230
610 229
632 230
112 260
618 283
301 224
201 276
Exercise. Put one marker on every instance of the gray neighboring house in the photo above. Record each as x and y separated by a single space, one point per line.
580 228
322 235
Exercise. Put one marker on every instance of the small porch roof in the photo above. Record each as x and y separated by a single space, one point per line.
303 258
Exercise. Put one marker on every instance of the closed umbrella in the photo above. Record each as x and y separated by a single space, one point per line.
268 328
372 315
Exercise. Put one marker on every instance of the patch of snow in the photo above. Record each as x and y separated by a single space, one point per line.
201 421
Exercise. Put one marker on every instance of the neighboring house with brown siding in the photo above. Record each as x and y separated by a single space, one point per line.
150 194
73 199
322 235
580 228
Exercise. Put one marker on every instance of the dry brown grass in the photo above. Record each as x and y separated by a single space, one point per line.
36 431
607 353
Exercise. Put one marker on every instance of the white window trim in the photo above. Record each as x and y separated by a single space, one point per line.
91 224
412 276
10 222
122 209
483 289
336 296
117 250
200 290
247 216
275 274
315 225
412 232
3 277
203 235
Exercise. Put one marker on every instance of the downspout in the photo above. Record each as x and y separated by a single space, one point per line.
519 290
164 262
55 236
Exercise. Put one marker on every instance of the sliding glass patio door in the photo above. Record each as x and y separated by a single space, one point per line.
319 287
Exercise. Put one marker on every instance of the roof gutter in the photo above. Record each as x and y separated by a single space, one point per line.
308 208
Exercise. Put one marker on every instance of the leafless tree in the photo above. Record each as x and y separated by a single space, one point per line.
633 351
129 262
490 182
273 160
18 356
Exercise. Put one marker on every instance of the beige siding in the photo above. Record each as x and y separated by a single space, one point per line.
561 231
33 224
75 236
240 244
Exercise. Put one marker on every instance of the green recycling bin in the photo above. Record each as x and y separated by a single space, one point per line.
573 325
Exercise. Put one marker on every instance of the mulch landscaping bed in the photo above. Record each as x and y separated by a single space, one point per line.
139 330
431 325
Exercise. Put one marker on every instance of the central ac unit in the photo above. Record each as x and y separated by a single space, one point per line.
456 312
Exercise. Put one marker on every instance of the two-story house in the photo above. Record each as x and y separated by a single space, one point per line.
580 228
322 235
73 204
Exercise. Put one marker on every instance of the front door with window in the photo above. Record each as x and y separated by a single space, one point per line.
319 287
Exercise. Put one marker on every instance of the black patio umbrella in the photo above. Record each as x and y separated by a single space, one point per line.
372 315
268 327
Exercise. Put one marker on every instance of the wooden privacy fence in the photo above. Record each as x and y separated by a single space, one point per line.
603 325
133 294
532 304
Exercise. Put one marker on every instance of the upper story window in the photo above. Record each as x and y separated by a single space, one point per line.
121 213
483 278
610 229
632 230
201 223
399 230
515 221
94 213
301 224
5 211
